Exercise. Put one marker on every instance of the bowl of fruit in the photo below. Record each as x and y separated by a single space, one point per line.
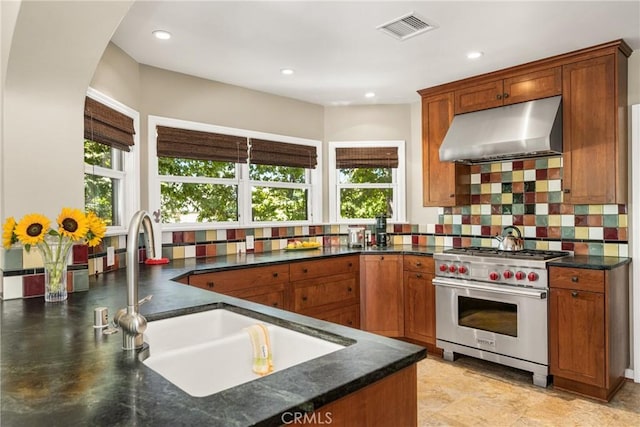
298 245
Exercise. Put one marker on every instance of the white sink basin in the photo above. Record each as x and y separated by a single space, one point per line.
216 353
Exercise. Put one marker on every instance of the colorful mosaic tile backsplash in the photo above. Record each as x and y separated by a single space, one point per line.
526 194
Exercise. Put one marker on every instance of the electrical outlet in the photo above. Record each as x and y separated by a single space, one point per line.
249 243
111 256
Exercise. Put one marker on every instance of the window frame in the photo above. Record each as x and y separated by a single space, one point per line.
314 177
129 195
398 184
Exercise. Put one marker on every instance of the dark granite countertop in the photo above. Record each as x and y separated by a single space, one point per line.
57 370
590 262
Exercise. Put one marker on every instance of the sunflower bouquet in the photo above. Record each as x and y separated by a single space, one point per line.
54 245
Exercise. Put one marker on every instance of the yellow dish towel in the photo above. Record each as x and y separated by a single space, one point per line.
262 358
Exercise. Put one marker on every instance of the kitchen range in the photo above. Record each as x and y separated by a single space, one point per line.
492 304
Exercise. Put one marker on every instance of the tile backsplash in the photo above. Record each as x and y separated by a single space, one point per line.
524 193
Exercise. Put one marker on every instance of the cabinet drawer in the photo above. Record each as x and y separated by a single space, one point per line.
576 278
341 288
229 280
273 296
419 263
323 267
347 316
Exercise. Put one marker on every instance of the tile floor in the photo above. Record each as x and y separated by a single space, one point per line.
471 392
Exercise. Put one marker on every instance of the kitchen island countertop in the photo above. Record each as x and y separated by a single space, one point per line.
57 370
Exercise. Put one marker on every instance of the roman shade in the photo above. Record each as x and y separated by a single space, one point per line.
197 145
366 157
107 126
264 152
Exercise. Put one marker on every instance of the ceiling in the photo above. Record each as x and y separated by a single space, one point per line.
338 54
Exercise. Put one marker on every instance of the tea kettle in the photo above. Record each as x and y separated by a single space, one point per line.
509 242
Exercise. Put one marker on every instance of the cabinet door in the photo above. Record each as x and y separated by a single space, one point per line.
577 336
443 184
479 97
589 131
419 307
382 294
530 86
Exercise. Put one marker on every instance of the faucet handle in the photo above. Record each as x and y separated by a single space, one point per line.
145 299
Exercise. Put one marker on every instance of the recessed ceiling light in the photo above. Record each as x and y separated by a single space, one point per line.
369 94
162 34
474 55
286 71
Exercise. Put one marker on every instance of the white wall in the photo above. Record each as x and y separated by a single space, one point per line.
54 51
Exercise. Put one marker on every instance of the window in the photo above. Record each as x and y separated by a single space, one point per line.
366 179
110 159
205 174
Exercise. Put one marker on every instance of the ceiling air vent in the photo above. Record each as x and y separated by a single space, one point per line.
406 26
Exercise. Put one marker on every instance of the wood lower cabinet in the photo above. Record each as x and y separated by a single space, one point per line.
589 329
419 300
519 88
595 130
327 289
443 184
265 285
391 401
382 294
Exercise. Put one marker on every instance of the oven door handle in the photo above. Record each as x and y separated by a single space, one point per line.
506 290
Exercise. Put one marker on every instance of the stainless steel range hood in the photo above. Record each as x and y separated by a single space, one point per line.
525 130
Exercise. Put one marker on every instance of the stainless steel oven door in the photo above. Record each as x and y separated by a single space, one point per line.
504 320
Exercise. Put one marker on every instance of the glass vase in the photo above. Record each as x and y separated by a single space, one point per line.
55 255
55 281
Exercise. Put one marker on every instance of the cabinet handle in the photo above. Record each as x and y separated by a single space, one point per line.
499 96
574 279
381 258
349 289
210 284
275 274
566 191
350 264
574 293
349 322
505 95
452 195
304 270
418 276
418 264
304 298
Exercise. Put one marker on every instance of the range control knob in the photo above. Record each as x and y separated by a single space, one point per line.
462 269
443 267
520 275
507 274
494 276
532 277
453 268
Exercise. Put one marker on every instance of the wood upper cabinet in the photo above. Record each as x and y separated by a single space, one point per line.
443 184
589 329
594 130
382 294
265 285
511 90
419 299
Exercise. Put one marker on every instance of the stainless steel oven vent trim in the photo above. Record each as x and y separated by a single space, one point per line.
406 26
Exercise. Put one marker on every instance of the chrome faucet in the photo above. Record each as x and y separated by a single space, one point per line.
132 322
